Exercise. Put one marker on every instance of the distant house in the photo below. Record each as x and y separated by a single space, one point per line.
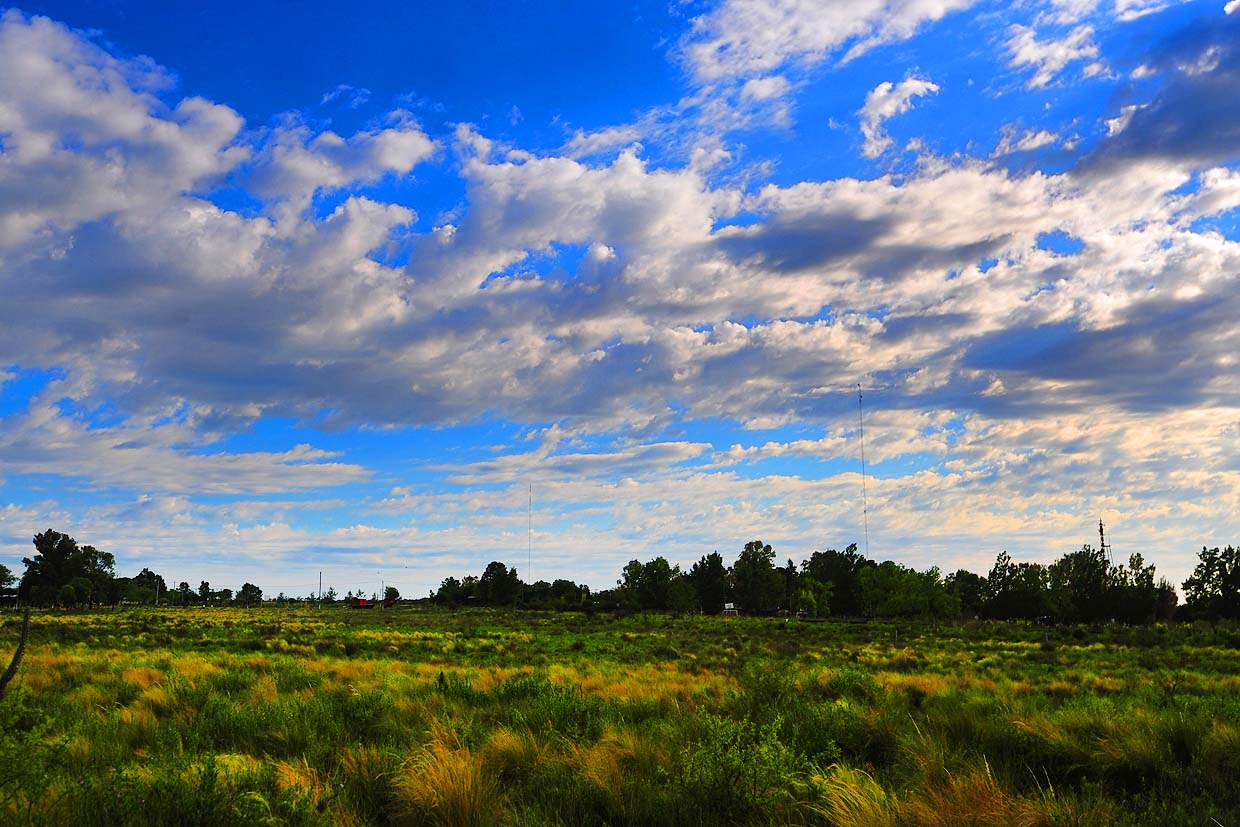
729 610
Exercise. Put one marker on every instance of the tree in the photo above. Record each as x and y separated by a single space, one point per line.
145 587
709 578
250 595
391 593
184 593
969 590
839 569
62 572
1015 590
814 599
204 592
499 585
1078 585
6 577
450 592
647 586
1213 590
758 584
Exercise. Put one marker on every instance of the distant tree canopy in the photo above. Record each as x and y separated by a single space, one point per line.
1213 590
62 573
500 586
1082 586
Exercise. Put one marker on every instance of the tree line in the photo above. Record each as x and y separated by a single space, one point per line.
63 573
1082 586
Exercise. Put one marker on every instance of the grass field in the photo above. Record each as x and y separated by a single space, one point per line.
408 717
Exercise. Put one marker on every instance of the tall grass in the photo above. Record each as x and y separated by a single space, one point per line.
403 718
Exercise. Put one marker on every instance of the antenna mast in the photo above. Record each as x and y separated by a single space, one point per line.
865 507
529 538
1102 542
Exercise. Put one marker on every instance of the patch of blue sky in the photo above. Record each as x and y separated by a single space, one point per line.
558 262
1226 224
1060 243
481 62
19 385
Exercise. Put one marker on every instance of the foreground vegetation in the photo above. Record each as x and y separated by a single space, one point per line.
408 717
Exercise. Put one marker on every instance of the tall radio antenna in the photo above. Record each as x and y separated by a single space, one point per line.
529 538
865 507
1103 545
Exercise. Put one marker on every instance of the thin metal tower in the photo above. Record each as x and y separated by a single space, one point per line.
865 506
1102 542
529 538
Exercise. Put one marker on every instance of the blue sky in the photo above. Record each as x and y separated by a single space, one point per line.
283 293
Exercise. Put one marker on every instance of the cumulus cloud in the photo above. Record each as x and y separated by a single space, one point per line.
624 299
884 102
294 163
1048 58
747 38
1199 67
1010 142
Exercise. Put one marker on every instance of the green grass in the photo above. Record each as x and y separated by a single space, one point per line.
412 717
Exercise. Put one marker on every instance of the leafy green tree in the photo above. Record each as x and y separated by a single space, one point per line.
449 592
146 587
758 585
204 592
391 593
792 589
1132 594
1016 590
1078 586
565 594
6 577
249 595
647 586
681 597
499 585
840 569
892 590
814 599
1213 590
969 589
709 579
62 572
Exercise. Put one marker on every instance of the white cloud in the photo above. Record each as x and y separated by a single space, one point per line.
294 164
884 102
1027 141
748 38
1049 57
586 144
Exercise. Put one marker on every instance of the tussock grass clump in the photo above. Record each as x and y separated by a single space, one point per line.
852 798
447 785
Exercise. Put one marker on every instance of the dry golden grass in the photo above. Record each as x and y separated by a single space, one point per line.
302 781
851 798
973 799
512 753
448 785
